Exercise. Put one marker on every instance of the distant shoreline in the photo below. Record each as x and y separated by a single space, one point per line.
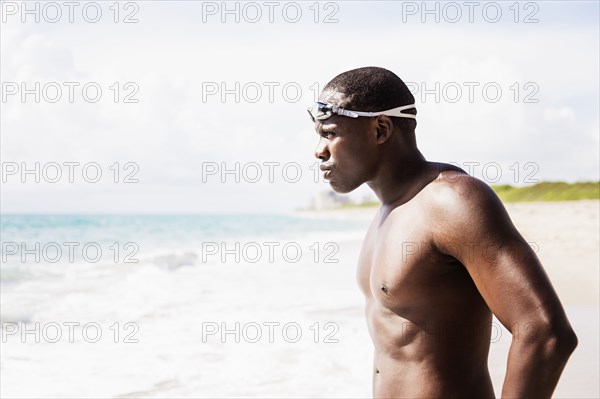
540 192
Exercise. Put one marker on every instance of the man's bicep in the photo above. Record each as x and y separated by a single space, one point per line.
512 282
503 266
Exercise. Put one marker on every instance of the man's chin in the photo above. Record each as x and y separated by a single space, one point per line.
340 188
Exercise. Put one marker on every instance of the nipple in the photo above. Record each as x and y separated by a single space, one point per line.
383 288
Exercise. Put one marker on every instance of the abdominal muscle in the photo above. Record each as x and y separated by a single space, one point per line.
427 358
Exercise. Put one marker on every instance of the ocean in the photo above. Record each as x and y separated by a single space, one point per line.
205 306
175 305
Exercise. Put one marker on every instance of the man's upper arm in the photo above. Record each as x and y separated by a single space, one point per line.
473 226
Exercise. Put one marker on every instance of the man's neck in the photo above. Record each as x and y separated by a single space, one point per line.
400 179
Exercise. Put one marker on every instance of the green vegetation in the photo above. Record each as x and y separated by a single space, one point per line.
549 191
370 204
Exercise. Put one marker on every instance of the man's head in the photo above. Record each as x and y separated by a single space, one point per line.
353 149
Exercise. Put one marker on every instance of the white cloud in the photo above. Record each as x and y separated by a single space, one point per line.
173 129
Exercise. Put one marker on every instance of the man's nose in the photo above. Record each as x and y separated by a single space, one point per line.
322 152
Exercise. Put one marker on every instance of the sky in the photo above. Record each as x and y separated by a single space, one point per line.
200 107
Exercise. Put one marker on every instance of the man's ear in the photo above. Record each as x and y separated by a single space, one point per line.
384 127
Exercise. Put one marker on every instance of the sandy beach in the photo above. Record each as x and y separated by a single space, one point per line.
263 329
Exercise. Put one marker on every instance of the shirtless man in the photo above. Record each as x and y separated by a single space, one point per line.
440 257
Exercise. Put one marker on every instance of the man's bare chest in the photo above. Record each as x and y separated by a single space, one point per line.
399 263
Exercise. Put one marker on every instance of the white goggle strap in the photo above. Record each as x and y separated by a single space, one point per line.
390 112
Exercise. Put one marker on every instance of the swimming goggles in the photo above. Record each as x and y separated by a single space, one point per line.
321 111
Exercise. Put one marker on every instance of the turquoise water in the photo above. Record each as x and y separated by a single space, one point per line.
31 244
47 260
173 228
167 295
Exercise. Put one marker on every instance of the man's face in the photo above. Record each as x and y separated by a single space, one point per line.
347 147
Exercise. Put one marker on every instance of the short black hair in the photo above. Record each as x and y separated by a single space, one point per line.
375 89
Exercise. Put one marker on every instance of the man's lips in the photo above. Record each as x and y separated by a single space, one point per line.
328 169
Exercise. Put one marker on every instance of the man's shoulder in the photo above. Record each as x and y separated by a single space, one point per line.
453 192
461 207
